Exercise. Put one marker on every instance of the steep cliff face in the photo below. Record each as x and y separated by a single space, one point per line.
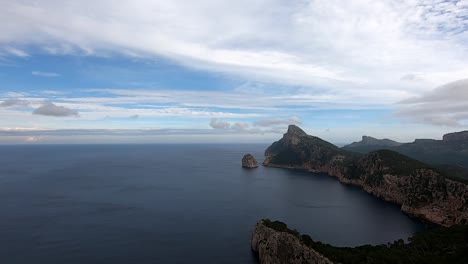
421 191
275 247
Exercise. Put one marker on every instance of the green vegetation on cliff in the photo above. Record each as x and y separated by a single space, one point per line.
437 246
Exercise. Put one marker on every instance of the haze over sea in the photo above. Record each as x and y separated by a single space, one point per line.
170 204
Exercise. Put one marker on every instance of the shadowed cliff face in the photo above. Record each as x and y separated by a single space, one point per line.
421 191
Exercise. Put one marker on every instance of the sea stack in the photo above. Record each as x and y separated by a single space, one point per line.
248 161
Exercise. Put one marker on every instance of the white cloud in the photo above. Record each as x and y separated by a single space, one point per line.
45 74
15 52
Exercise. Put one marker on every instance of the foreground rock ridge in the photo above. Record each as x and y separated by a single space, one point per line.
248 161
275 247
274 243
421 191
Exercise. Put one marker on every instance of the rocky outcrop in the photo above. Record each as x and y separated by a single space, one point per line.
275 247
248 161
421 191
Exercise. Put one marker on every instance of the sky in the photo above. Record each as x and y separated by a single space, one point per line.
180 71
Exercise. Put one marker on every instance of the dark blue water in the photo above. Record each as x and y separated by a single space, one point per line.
170 204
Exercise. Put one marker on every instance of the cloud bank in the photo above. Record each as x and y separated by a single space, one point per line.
446 105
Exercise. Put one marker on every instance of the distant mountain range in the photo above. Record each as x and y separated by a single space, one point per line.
421 190
449 154
373 142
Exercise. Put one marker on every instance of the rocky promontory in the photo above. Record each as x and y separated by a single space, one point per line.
248 161
274 246
420 190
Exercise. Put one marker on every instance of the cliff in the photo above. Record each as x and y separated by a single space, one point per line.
248 161
420 190
282 247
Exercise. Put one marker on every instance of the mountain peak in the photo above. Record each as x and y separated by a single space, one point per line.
294 130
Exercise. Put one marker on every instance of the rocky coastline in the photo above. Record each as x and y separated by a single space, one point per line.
421 191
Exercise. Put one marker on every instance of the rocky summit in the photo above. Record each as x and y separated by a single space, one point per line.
248 161
421 191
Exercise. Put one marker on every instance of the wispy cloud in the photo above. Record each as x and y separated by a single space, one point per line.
45 74
15 52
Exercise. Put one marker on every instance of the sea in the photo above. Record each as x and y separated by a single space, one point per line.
171 203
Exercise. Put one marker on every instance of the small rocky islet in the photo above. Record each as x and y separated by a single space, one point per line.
248 161
420 190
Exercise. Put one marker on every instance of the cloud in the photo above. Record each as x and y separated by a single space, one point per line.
274 122
45 74
214 123
351 46
16 52
240 126
268 125
32 139
443 106
411 77
14 102
50 109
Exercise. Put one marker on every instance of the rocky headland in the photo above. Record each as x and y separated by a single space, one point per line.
420 190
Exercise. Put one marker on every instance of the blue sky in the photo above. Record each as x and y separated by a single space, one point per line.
177 71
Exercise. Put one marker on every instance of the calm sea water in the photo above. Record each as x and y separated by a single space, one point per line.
170 204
